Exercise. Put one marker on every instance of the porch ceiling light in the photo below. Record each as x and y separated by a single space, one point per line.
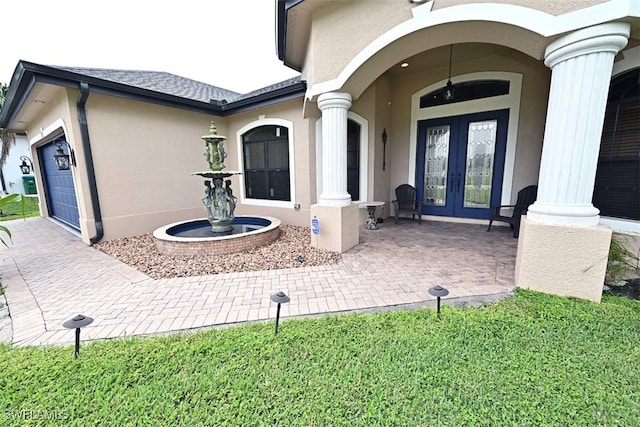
25 167
63 160
449 90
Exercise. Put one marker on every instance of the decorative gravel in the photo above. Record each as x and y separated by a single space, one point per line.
292 249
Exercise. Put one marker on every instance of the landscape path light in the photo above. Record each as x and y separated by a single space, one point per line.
279 298
76 323
438 292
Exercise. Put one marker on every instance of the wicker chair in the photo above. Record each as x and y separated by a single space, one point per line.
407 203
526 197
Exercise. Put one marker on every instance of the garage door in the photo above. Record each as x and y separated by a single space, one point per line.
60 192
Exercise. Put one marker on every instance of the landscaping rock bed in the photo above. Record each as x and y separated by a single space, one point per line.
292 249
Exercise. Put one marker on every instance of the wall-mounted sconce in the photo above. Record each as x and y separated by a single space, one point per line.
384 148
63 160
25 167
449 90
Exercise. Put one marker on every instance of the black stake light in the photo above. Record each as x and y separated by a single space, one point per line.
438 292
280 298
76 323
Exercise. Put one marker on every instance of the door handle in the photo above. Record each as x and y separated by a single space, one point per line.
459 179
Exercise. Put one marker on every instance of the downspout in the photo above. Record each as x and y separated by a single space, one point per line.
88 159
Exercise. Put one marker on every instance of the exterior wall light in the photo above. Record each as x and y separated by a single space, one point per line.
384 148
76 323
25 167
63 160
280 298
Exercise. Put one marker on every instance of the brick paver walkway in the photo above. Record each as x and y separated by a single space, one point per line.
50 275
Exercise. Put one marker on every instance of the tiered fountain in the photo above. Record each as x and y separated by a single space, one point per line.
221 232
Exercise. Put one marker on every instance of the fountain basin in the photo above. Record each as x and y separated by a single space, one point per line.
195 238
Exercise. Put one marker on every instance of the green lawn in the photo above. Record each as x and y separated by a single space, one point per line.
534 360
13 210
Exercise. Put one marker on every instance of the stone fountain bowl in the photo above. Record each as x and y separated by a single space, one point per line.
195 238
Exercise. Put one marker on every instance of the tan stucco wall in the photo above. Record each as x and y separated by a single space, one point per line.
552 7
144 155
333 23
561 260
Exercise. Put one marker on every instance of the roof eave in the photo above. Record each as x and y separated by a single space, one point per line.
28 74
282 16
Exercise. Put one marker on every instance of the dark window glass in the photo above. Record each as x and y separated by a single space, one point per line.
466 92
266 163
617 187
353 159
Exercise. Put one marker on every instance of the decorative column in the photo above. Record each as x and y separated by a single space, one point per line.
581 65
336 215
334 108
562 250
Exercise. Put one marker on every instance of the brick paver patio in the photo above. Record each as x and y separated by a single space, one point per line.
50 275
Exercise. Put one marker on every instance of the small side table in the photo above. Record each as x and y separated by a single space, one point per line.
372 222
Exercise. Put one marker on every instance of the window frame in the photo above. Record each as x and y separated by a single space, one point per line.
244 199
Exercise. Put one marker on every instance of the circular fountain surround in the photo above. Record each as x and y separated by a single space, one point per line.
194 237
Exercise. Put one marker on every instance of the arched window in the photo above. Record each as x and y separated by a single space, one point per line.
266 163
617 186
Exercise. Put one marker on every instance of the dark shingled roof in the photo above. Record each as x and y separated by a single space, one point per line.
172 84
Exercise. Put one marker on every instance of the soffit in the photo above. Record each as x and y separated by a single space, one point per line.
40 99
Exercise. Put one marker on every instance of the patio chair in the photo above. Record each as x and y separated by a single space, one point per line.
407 202
526 197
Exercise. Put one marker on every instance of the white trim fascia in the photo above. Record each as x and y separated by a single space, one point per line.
522 17
621 225
266 121
511 101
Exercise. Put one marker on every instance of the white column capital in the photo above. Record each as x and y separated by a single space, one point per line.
610 37
334 99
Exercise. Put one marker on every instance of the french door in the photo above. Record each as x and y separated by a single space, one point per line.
460 163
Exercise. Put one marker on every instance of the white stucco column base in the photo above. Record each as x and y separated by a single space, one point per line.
562 260
339 227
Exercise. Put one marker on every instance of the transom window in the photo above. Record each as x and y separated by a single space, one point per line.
266 163
617 186
466 92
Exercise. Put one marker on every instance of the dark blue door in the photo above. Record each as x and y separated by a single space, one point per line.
60 191
460 163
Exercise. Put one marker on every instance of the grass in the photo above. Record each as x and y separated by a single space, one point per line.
534 360
13 210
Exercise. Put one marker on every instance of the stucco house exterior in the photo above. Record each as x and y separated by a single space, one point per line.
531 104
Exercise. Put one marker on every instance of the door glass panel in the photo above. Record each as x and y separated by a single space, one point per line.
481 145
436 159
